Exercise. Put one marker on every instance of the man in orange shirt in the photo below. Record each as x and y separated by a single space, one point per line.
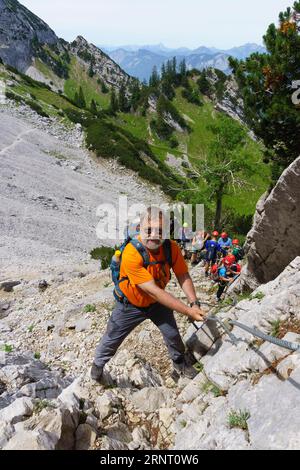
144 297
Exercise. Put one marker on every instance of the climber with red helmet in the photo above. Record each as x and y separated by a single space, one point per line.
212 249
225 242
237 250
227 274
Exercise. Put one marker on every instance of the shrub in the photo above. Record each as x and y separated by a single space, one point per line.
7 348
104 254
90 308
111 141
192 96
12 96
238 419
173 142
37 108
79 117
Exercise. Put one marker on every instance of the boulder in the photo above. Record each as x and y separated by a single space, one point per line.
272 242
31 440
107 404
85 437
17 411
149 400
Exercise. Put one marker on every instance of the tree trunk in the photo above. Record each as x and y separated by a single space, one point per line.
219 200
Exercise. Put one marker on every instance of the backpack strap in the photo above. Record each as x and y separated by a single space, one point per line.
167 246
168 252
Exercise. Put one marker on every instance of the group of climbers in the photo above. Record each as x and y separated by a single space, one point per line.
222 260
221 255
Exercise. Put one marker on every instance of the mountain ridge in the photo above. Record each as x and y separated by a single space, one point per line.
139 61
28 44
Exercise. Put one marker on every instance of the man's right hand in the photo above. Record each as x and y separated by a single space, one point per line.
196 313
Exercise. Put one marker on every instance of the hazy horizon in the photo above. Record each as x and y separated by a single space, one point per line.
173 23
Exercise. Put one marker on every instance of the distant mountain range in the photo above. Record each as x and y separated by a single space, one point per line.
139 61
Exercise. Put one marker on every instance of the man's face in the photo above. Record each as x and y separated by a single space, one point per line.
152 234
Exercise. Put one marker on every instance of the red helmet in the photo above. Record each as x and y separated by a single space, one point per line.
236 242
215 233
224 235
229 260
236 268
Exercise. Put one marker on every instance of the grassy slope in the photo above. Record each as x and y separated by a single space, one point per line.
78 76
244 201
195 144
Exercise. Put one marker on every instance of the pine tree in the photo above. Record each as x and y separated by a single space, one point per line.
104 88
91 71
154 79
167 88
136 94
174 67
122 99
204 84
182 68
79 99
93 107
265 82
227 166
114 105
169 69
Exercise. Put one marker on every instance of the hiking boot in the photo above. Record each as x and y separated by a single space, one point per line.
96 373
182 369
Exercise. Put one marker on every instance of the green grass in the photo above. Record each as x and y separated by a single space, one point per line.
258 296
7 348
209 387
78 76
275 328
127 137
238 419
47 72
199 367
41 405
111 141
137 125
37 356
90 308
244 200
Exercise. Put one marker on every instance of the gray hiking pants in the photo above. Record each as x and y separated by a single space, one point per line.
126 317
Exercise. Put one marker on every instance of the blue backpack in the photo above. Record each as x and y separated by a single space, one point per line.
116 267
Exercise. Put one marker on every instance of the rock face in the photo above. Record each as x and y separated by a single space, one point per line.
247 396
231 103
19 28
103 65
274 239
25 40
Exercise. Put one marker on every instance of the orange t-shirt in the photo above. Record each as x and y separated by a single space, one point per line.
132 266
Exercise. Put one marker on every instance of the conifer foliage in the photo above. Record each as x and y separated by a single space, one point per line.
266 82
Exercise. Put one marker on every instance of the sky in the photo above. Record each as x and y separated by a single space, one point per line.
175 23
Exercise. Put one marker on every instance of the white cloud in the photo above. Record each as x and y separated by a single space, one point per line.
190 23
